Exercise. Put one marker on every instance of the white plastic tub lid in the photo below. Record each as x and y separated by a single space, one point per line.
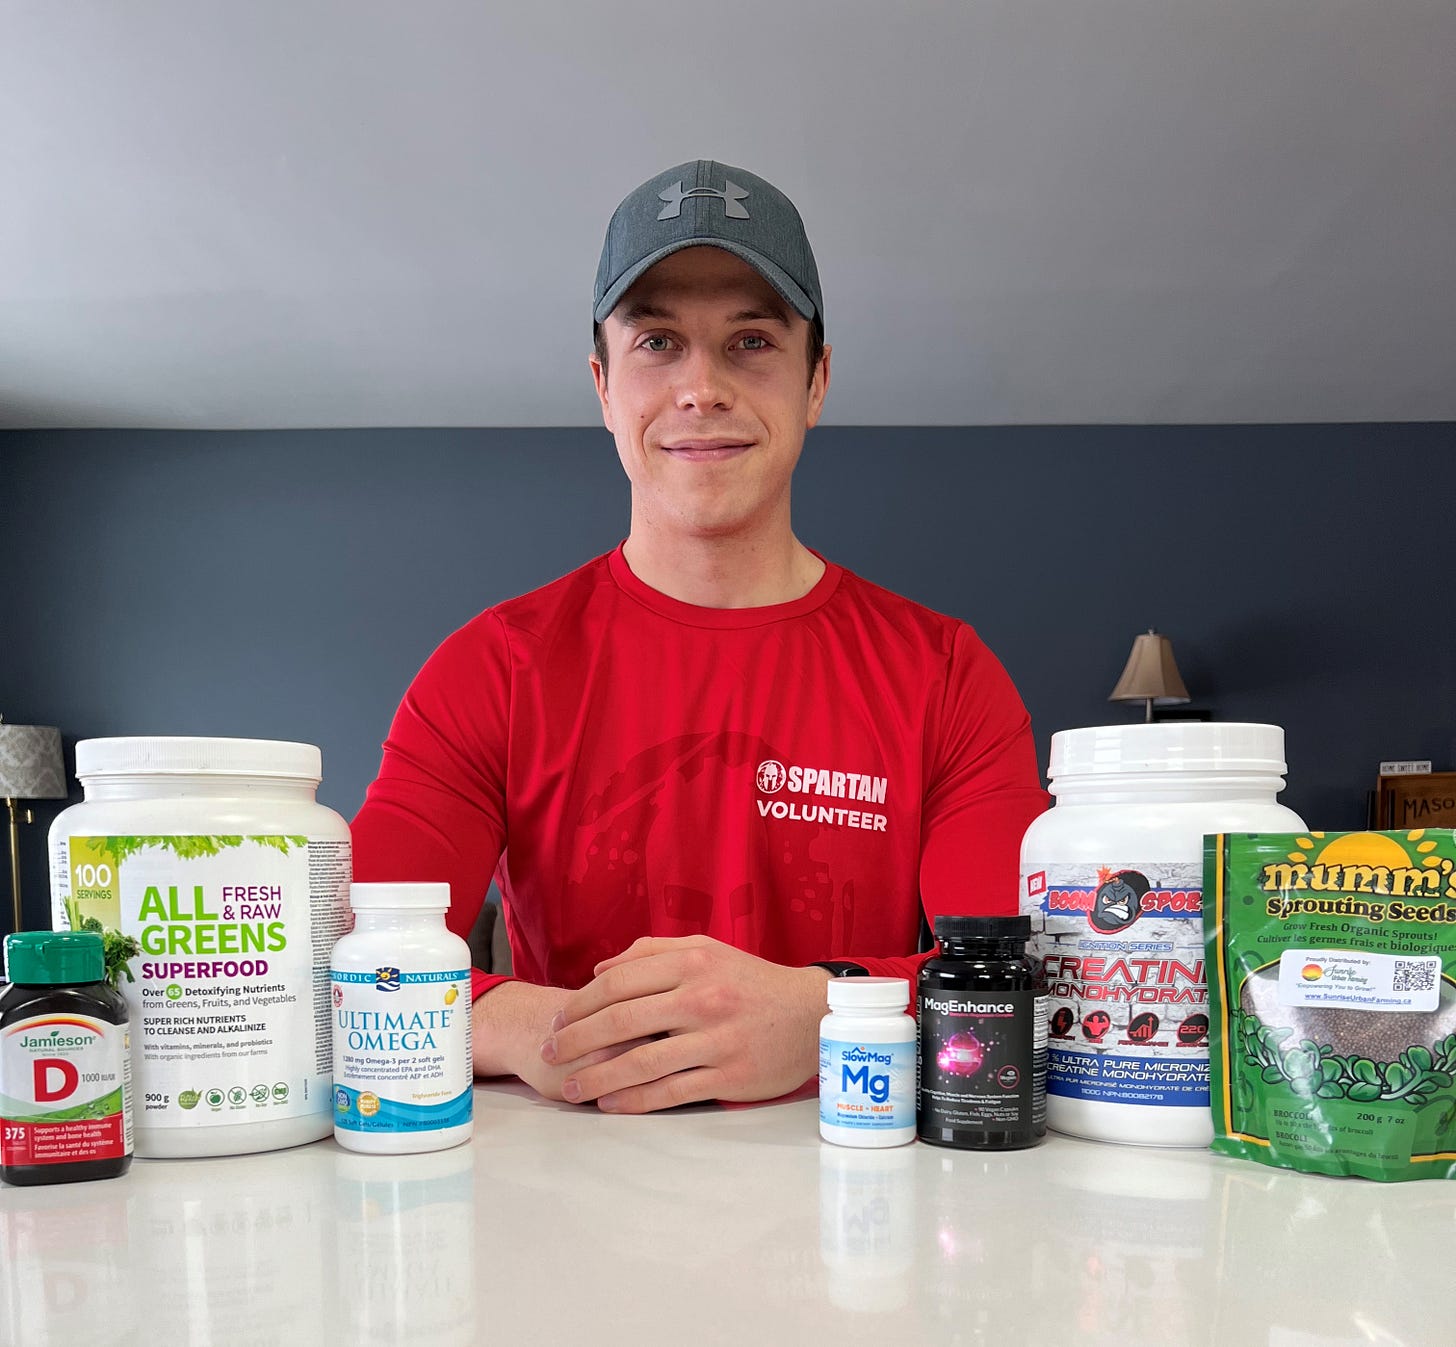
163 755
1172 746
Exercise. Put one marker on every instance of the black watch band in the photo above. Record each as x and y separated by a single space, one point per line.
840 968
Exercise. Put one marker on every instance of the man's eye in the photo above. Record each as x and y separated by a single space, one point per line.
753 342
658 343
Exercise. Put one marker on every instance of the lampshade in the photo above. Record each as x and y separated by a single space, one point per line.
1151 673
31 767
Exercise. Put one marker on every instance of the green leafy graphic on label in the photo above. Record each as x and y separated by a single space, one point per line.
190 848
117 947
1312 1069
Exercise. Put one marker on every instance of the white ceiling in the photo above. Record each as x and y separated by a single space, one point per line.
227 213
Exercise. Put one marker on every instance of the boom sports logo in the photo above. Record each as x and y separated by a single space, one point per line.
1120 898
1118 902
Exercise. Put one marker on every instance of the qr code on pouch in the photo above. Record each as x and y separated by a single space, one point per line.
1413 975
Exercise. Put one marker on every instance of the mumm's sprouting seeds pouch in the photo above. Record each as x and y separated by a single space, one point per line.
1332 991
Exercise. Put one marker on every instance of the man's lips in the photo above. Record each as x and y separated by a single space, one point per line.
705 451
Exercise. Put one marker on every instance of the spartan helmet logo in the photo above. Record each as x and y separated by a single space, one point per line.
732 196
771 776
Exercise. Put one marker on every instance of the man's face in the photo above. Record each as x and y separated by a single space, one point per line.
708 395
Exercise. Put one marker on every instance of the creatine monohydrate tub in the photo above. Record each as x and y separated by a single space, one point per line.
1112 879
213 856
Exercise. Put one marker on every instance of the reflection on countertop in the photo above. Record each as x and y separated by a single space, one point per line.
722 1225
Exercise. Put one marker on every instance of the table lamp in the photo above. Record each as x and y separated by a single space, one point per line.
1151 674
31 768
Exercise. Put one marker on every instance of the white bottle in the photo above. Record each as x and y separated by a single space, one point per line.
867 1063
403 1077
1112 878
215 858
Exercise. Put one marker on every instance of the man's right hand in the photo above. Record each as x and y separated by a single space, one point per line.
509 1024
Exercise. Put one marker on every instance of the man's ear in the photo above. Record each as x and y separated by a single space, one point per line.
818 387
599 378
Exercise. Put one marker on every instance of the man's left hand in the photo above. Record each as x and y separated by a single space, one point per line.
723 1024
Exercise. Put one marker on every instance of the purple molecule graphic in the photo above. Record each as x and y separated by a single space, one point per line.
961 1055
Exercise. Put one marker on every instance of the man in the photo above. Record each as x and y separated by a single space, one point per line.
715 768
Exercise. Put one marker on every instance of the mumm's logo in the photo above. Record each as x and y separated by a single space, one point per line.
1397 881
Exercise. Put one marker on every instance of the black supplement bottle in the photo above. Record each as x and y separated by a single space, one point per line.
983 1037
65 1062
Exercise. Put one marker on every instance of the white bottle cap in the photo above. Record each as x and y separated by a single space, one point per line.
394 897
868 993
1170 746
171 755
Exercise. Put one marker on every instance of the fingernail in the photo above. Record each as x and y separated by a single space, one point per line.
548 1050
558 1021
571 1091
607 1103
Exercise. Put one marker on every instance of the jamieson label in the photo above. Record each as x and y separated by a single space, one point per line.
229 993
1122 946
67 1077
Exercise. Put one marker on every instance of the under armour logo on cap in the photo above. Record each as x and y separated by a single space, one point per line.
732 198
650 223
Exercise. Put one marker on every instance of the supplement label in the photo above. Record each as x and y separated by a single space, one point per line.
1337 977
402 1052
869 1087
1122 946
229 992
65 1089
982 1061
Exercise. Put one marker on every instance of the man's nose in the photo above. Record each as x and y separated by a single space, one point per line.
704 384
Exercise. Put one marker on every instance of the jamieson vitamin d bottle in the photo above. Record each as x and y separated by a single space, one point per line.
213 856
65 1062
403 1071
1112 879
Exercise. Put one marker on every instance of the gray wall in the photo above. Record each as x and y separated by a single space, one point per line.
369 213
288 584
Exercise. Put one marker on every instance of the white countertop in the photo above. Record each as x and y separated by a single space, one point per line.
710 1225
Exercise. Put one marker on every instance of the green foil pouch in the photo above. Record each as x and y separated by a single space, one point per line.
1332 1000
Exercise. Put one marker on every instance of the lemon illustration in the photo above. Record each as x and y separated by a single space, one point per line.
452 996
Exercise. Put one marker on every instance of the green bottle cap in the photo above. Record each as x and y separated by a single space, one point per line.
50 957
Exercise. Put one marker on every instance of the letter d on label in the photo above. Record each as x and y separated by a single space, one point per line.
44 1068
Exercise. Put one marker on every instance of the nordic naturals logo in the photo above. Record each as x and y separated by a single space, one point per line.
386 979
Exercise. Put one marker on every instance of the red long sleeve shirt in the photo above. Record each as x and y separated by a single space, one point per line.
795 780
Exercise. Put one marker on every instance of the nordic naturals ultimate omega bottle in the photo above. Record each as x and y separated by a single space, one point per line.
65 1062
982 1078
403 1071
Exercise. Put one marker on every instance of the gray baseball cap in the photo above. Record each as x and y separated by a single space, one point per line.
708 203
